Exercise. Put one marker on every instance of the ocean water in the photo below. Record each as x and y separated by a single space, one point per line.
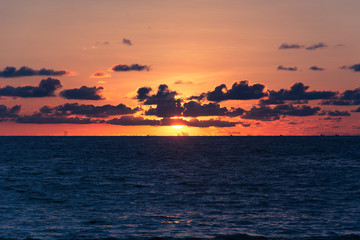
180 187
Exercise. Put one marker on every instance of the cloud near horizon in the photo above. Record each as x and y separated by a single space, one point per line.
12 72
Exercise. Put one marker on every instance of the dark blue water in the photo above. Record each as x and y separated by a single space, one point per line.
180 187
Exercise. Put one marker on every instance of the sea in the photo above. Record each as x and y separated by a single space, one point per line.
221 188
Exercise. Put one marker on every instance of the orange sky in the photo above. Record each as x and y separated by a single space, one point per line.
192 47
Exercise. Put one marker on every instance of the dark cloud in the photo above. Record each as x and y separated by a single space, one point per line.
194 109
127 42
12 72
281 67
348 97
133 121
335 113
316 46
239 91
301 111
83 93
316 68
166 109
290 46
41 119
199 123
265 113
298 91
183 82
143 93
88 110
127 68
355 67
210 123
7 113
163 96
46 88
198 98
356 110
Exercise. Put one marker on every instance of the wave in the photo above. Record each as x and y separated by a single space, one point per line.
221 237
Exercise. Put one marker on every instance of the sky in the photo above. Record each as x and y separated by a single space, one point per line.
179 68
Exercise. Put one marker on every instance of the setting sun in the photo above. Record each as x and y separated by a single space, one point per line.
177 126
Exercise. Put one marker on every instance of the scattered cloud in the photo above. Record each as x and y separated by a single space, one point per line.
127 42
281 67
166 109
40 119
46 88
163 95
88 110
100 74
291 46
12 72
316 68
265 113
297 91
194 109
7 113
355 67
316 46
127 68
348 97
83 93
239 91
133 121
335 113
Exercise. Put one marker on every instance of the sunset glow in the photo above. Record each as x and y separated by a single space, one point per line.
233 67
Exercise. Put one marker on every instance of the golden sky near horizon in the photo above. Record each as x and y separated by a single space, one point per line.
192 47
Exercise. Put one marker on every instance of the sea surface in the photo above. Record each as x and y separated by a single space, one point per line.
180 188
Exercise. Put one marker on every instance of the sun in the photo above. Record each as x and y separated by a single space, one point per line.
177 126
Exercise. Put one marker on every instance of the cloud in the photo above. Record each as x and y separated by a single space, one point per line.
290 46
210 123
143 93
127 42
198 98
315 68
316 46
88 110
12 72
355 67
46 88
239 91
265 113
348 97
281 67
163 95
297 91
262 113
100 74
194 109
356 110
83 93
127 68
41 119
133 121
183 82
166 109
335 113
7 113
